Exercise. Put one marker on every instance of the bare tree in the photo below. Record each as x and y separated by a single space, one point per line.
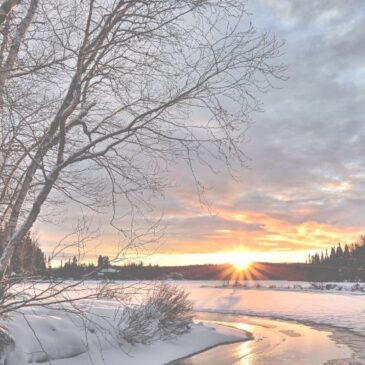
98 95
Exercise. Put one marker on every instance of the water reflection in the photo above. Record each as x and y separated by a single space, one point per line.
245 349
274 343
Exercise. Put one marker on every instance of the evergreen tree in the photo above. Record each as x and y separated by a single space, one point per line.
103 261
339 253
346 263
332 255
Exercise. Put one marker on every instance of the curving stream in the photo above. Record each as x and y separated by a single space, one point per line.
277 342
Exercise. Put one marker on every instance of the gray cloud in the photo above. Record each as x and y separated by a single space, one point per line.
307 148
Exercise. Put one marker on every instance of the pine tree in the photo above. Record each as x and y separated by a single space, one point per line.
348 262
332 255
346 255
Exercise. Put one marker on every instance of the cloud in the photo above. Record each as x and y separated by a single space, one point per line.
307 171
305 186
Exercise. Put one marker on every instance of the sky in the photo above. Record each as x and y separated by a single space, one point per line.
304 186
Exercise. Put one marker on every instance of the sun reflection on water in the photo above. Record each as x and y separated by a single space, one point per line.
245 348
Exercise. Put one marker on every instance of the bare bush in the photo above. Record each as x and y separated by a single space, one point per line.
166 312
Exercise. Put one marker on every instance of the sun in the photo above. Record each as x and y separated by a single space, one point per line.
241 262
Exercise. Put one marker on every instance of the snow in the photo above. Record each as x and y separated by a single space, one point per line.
43 335
284 285
344 309
55 337
200 338
66 339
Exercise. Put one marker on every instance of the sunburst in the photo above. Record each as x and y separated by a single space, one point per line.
241 262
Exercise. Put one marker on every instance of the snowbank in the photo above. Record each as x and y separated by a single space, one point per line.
201 337
43 334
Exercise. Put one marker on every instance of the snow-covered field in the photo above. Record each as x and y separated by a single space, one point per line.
330 307
68 340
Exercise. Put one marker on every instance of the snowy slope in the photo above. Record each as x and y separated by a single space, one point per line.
43 335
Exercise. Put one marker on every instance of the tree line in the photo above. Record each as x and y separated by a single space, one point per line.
341 262
73 268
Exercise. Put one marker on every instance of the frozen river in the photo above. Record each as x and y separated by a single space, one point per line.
277 342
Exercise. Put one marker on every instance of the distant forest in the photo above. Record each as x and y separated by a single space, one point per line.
226 272
343 262
71 269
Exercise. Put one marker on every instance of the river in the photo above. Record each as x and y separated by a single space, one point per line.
277 342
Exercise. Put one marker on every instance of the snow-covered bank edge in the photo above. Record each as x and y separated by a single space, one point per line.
232 335
301 286
247 337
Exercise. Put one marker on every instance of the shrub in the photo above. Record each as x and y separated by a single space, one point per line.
166 312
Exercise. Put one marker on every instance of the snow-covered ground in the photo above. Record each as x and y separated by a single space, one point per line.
68 340
344 308
46 335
